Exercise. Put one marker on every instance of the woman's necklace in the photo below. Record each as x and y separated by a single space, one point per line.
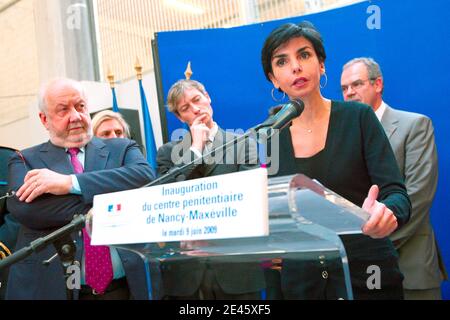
309 128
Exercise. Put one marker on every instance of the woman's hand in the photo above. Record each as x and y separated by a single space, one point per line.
382 221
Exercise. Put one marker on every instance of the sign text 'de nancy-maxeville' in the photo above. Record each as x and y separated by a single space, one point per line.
228 206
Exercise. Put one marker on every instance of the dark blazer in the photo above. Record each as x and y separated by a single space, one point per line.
175 154
8 225
8 231
8 236
110 165
183 278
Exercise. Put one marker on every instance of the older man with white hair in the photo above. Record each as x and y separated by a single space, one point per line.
58 179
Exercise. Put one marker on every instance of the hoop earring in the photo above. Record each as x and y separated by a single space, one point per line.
273 96
326 81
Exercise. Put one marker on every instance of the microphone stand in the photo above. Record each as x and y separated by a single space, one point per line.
64 245
179 170
294 108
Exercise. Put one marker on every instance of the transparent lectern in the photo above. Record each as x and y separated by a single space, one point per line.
305 221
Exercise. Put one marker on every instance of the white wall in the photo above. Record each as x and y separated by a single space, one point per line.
57 57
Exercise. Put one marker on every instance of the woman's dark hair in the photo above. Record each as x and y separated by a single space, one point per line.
286 32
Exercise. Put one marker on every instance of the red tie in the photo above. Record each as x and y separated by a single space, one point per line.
98 265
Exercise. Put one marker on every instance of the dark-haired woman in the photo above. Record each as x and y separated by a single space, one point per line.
343 145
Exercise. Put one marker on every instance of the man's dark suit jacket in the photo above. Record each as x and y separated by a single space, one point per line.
9 228
8 225
183 278
110 165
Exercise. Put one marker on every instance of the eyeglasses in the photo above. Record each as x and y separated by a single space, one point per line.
356 84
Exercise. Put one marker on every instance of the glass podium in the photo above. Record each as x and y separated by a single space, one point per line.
305 221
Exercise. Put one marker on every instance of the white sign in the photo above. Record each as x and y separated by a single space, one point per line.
233 205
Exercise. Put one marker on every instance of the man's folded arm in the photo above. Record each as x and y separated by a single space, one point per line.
47 211
135 173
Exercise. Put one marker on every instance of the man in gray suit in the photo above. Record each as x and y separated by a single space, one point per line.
412 139
189 101
58 179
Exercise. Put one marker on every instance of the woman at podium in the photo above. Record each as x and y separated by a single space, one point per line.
342 145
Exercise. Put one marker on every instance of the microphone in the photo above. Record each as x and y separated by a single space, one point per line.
282 118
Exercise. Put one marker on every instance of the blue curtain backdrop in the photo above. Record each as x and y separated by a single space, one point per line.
412 46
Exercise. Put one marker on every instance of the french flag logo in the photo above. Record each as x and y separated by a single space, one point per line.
114 208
